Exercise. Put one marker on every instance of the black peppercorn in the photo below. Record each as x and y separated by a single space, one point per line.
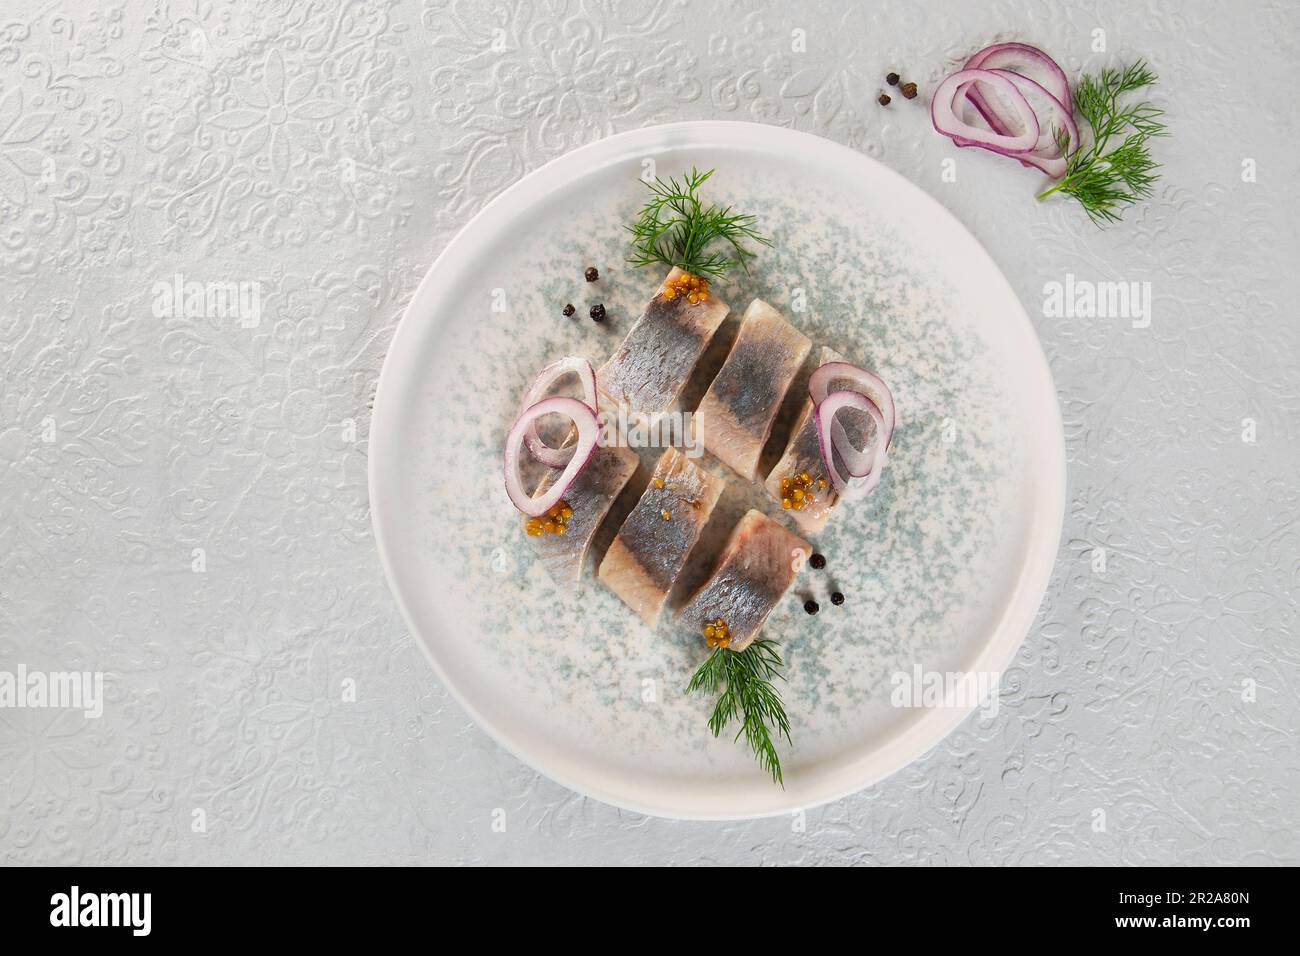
598 313
883 99
837 598
818 560
811 607
891 79
908 90
569 309
591 274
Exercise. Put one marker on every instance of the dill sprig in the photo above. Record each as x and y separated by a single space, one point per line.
675 228
1102 178
745 679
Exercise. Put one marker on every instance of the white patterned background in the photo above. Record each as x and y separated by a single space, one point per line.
328 150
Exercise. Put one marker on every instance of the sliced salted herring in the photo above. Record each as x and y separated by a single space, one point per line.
803 457
590 496
758 565
652 546
646 373
736 414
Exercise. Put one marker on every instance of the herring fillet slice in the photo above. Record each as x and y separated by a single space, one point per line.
737 412
647 371
590 496
757 567
650 550
803 453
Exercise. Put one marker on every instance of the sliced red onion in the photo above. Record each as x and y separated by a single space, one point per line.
945 119
1053 166
572 364
851 487
1047 159
584 419
858 461
1018 56
1053 116
1052 111
1013 57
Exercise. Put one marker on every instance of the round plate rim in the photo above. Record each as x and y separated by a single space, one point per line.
1002 642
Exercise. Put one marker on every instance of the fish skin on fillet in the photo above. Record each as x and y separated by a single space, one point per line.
737 412
647 371
759 563
651 548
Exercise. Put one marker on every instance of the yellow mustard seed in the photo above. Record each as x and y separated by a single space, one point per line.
787 504
716 633
666 513
555 520
694 288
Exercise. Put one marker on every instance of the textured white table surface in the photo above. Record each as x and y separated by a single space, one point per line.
327 151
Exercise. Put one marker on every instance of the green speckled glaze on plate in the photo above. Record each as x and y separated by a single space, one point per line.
943 566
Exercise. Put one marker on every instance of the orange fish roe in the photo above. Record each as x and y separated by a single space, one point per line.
555 521
797 491
717 634
695 288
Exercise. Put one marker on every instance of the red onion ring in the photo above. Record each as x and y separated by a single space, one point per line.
1046 156
572 364
1054 110
945 119
1054 85
858 461
847 488
1050 162
584 419
1052 166
1013 56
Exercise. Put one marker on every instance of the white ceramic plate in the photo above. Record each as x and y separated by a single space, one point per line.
944 567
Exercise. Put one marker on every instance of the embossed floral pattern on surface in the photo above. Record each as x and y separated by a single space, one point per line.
327 152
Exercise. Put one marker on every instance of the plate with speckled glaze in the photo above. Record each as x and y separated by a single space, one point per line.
943 566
